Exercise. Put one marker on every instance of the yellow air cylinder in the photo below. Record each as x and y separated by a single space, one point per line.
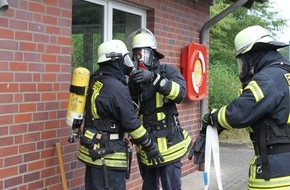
77 99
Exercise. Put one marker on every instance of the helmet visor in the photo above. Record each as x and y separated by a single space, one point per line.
128 61
243 68
144 55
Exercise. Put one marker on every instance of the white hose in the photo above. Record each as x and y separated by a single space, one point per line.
212 146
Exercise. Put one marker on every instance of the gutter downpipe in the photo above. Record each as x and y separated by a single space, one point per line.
204 30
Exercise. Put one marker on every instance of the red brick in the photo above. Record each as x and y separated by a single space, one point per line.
4 23
31 156
36 7
17 129
6 33
35 165
30 56
44 87
22 77
48 58
48 172
6 55
31 176
64 41
6 98
8 108
51 20
8 151
22 118
13 160
52 49
8 44
14 181
48 134
52 68
48 96
6 77
27 148
6 141
23 14
31 137
36 185
35 126
18 97
6 119
3 131
18 66
53 11
28 107
40 116
48 77
27 46
31 97
28 87
18 24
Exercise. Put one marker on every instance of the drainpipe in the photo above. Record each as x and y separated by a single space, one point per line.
204 30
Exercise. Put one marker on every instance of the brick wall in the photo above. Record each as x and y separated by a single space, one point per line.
35 74
35 48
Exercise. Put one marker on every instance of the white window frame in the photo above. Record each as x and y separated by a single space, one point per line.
108 15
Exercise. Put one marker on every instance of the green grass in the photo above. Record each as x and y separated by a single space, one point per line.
234 136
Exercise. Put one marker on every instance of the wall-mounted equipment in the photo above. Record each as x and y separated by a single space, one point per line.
3 7
194 70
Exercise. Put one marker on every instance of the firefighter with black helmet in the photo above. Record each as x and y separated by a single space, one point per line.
157 88
109 114
263 108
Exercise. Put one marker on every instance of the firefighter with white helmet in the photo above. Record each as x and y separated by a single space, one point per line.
109 115
263 108
157 88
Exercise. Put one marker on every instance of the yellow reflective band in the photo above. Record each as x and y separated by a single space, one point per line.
160 116
162 144
173 152
288 120
89 134
159 104
175 89
138 133
273 183
97 88
256 90
159 100
117 159
222 118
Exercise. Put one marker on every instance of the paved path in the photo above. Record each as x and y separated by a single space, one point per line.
234 170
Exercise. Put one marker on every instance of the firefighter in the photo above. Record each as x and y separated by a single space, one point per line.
157 88
109 114
263 108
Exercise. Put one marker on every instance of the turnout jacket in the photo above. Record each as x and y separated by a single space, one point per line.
159 114
263 108
109 114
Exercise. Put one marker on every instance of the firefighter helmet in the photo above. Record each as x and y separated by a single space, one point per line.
143 38
110 50
255 38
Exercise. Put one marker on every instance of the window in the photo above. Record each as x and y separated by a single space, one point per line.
96 21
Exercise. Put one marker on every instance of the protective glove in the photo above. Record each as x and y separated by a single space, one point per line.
209 119
135 88
153 154
143 75
198 150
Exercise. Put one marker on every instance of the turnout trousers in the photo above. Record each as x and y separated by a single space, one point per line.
94 179
170 176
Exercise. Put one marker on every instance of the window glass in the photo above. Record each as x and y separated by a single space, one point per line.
96 21
87 33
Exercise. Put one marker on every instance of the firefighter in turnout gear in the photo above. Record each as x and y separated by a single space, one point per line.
263 108
109 114
157 89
